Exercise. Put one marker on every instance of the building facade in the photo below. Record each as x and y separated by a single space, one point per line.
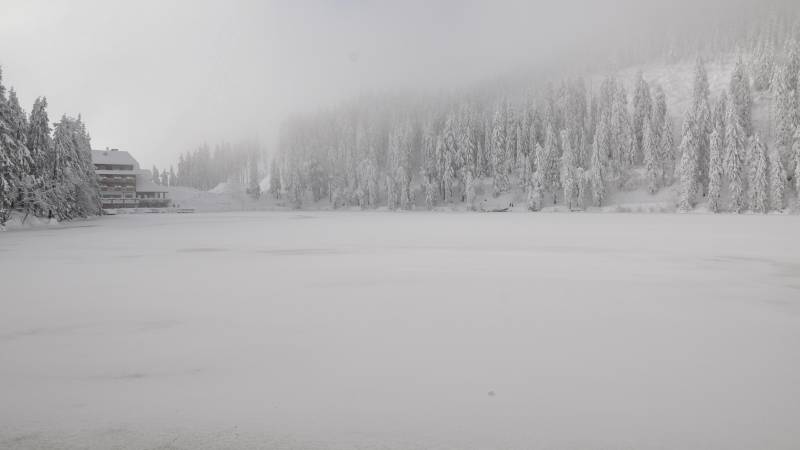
123 184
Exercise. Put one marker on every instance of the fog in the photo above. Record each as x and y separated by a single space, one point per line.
158 78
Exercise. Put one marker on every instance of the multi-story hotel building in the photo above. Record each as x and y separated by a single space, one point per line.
123 184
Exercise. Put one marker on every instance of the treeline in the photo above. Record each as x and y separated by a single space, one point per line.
725 159
569 144
203 169
44 172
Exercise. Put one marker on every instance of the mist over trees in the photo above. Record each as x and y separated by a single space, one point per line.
569 142
242 163
44 172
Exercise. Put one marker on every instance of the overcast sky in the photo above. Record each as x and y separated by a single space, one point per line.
158 77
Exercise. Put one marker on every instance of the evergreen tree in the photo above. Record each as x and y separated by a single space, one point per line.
759 187
777 181
666 148
689 167
796 148
535 194
40 142
569 182
642 112
274 179
701 127
763 64
741 97
156 175
651 162
659 115
549 164
735 145
499 157
15 160
784 111
715 170
597 174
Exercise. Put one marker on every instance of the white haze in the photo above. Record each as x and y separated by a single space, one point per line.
160 77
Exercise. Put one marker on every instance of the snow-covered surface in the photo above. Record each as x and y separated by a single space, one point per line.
301 330
114 157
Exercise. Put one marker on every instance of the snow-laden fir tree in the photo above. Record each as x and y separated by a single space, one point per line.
274 178
535 193
796 152
735 160
659 114
15 159
785 110
701 124
156 175
715 170
40 142
549 164
651 163
777 181
759 185
597 168
762 64
470 190
666 148
642 112
568 177
499 156
741 97
689 169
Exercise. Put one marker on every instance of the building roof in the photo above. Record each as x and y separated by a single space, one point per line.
113 157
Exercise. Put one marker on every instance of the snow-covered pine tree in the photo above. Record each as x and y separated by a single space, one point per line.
156 175
701 124
651 162
535 194
777 181
568 180
741 97
689 169
642 112
620 132
735 158
715 169
785 108
763 63
796 151
549 164
15 160
597 170
759 186
659 114
511 138
274 178
172 178
666 149
499 156
470 193
40 142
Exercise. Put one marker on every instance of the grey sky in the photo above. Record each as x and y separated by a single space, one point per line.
159 77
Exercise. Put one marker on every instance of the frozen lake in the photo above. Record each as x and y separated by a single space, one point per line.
402 331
